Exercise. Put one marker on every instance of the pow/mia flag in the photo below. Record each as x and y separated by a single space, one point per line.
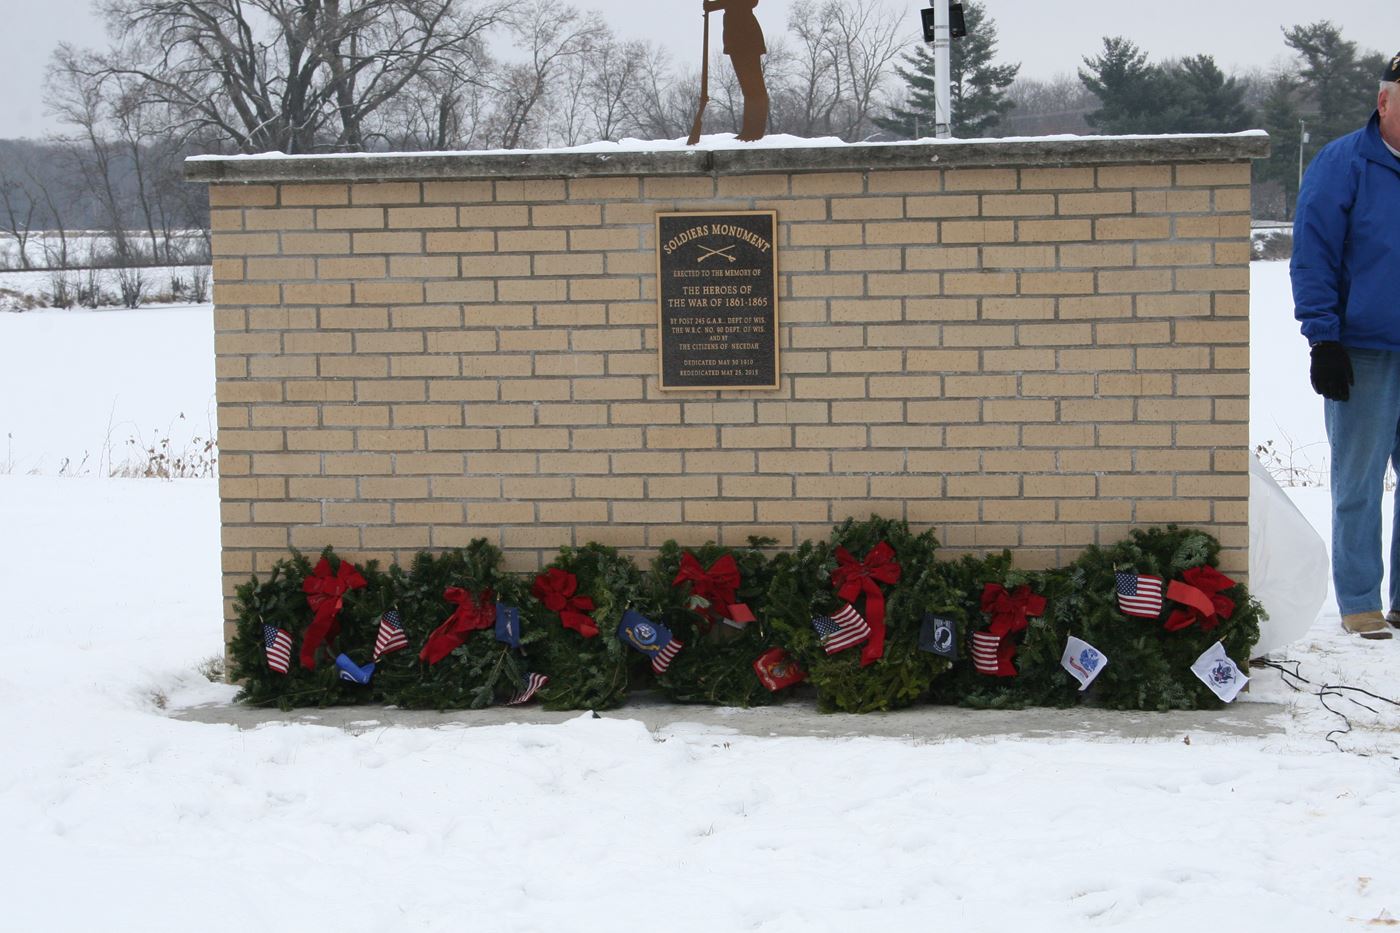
939 636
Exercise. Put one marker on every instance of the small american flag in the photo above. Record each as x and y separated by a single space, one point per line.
1139 594
984 653
533 683
391 637
662 659
278 643
842 630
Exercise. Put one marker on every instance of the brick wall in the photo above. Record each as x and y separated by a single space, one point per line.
1020 350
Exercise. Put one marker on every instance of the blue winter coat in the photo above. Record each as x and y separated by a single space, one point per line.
1346 244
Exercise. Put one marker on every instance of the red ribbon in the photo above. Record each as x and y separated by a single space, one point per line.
323 591
1010 612
1200 594
472 613
853 577
556 588
718 586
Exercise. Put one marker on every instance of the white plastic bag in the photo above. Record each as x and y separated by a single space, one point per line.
1288 563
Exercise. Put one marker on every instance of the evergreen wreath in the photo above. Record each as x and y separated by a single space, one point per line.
281 603
1149 663
802 587
585 671
1039 679
478 672
716 664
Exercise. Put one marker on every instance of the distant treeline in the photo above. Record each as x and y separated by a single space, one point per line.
134 197
373 75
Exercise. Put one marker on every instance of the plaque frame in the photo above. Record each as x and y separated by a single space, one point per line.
773 312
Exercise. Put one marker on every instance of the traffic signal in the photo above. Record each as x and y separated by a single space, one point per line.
957 26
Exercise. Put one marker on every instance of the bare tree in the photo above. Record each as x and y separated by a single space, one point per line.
598 87
20 206
837 66
662 104
441 109
78 97
55 256
550 36
1047 107
289 75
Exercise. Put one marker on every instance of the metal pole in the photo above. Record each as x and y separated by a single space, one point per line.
1302 140
942 44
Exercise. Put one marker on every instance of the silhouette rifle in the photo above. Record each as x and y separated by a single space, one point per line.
704 86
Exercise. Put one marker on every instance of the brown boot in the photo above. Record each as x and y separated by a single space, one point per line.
1366 624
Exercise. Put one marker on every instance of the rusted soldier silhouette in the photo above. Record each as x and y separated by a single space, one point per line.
743 43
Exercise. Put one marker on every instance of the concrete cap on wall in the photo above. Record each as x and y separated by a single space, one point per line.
1046 152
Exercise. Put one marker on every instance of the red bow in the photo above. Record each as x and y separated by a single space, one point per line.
853 577
1201 595
472 613
555 588
717 586
1010 612
323 591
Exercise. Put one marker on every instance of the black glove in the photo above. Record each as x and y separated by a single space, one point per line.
1331 371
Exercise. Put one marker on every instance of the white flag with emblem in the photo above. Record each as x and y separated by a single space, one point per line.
1082 660
1218 672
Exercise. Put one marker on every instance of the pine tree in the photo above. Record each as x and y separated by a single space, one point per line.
977 87
1200 99
1340 84
1279 116
1128 88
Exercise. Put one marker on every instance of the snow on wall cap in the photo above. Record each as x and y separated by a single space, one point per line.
722 155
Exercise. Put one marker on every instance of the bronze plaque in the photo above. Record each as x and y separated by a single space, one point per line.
717 287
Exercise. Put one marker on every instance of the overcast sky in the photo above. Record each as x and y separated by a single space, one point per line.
1047 36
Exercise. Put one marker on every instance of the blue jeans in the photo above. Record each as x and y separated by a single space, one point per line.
1364 433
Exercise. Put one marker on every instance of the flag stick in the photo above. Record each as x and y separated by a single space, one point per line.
704 86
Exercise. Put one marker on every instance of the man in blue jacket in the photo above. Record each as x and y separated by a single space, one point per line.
1346 295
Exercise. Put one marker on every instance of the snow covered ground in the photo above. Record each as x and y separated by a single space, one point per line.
112 814
76 387
20 290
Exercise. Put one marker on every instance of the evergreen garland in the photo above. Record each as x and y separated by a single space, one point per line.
585 673
279 601
716 664
1149 666
482 670
802 588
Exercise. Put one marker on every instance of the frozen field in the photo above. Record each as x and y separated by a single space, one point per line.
114 815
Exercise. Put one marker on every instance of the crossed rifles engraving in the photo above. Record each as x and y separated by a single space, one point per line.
722 251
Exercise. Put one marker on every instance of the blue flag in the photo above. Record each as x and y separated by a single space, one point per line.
352 672
939 635
650 638
508 624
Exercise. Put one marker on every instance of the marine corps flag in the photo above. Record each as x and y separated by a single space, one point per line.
777 669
